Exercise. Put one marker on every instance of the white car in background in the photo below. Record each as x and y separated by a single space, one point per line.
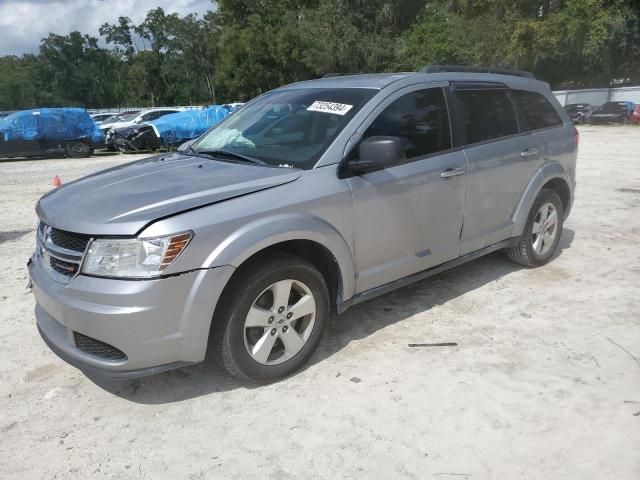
99 118
135 118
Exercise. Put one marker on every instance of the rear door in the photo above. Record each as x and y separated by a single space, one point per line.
502 158
555 139
407 218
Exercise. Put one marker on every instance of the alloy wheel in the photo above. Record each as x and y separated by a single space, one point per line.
279 322
544 229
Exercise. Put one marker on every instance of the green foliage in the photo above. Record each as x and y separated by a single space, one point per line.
246 47
17 86
581 43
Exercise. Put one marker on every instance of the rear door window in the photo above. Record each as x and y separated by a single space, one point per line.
537 110
486 114
420 118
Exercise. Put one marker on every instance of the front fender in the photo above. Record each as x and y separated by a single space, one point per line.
255 236
547 172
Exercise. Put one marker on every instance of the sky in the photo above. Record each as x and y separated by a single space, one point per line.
23 23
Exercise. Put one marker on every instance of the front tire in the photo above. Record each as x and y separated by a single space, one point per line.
271 318
542 232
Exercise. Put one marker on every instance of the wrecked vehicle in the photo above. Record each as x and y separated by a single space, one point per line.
579 112
612 112
49 131
135 118
170 130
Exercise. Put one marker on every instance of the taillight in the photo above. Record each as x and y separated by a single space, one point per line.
576 136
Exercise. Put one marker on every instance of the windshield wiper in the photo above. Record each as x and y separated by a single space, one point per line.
228 154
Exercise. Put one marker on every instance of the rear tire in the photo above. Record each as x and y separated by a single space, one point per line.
78 150
542 232
271 318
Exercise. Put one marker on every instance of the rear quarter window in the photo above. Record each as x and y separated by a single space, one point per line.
537 110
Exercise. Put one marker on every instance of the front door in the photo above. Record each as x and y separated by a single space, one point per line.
408 217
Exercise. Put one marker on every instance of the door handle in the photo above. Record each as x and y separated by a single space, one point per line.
529 153
452 172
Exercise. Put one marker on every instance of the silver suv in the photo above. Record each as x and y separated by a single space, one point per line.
311 198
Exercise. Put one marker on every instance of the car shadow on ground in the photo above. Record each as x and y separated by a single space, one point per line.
358 322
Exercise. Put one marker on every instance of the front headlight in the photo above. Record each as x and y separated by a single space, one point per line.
135 257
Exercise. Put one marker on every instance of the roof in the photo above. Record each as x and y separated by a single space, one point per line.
367 80
378 81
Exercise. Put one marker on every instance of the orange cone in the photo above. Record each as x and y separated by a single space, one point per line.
56 181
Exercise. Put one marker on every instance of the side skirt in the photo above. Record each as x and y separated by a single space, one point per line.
416 277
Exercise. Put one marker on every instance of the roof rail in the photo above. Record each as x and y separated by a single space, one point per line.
336 74
463 68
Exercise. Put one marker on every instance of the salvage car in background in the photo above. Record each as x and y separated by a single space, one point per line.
613 112
170 130
579 112
49 131
136 118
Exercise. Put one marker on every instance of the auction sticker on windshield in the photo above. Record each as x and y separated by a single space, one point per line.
329 107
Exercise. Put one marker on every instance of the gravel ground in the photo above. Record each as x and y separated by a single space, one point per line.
544 383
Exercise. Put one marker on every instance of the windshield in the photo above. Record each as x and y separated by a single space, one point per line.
126 118
613 108
290 128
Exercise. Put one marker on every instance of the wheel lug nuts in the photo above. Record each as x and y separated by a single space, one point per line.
284 329
271 319
274 331
281 309
289 315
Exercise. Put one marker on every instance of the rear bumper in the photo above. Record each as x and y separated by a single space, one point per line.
156 324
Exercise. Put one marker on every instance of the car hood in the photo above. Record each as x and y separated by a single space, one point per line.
124 199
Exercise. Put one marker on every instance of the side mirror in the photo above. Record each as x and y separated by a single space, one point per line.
185 146
377 153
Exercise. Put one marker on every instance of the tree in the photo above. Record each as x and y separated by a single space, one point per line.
121 36
259 50
196 40
247 47
17 87
73 70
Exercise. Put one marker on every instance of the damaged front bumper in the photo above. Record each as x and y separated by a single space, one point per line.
127 328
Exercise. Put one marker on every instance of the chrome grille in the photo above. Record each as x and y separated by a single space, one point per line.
63 267
61 252
71 241
97 348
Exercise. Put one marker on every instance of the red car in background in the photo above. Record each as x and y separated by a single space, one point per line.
635 116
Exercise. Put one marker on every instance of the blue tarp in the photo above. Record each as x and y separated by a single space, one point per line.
181 126
50 124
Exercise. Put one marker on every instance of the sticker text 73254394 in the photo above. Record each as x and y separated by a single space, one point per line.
329 107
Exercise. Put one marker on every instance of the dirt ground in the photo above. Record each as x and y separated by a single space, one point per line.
544 383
